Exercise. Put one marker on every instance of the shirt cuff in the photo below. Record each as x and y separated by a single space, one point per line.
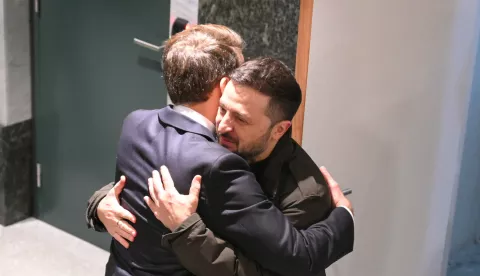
350 212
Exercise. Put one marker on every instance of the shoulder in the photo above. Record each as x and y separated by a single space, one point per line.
203 156
140 115
219 160
307 174
135 118
306 196
229 177
228 160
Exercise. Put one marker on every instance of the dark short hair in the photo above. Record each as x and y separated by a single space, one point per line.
195 60
272 78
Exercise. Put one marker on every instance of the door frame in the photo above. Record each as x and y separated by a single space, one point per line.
34 14
301 63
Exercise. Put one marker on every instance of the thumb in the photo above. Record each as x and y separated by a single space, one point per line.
119 186
195 188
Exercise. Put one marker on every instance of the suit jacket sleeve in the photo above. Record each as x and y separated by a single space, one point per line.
91 214
237 210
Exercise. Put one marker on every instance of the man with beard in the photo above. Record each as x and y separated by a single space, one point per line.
264 89
233 205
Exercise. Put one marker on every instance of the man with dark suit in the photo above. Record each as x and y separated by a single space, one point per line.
233 204
262 87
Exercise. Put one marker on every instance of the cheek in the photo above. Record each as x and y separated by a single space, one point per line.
256 134
246 134
218 118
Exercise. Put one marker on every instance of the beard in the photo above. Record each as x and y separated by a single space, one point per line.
252 150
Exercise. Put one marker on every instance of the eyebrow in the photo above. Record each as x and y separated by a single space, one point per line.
236 114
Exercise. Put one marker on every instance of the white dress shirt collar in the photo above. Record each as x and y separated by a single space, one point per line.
195 116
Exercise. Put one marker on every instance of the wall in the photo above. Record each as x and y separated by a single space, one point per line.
3 95
387 97
15 112
269 27
3 111
467 212
17 47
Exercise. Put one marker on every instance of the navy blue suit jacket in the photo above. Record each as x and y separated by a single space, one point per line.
232 203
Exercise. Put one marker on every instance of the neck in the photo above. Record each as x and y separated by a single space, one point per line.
208 109
266 153
271 146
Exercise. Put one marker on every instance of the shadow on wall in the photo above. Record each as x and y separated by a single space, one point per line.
464 257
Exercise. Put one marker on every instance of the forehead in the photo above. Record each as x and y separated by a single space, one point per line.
245 99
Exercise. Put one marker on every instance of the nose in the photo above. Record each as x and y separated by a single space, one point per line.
225 125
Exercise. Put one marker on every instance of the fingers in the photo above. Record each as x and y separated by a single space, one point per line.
119 185
150 203
121 240
156 178
125 230
195 188
338 197
124 214
157 184
326 174
167 180
152 192
328 177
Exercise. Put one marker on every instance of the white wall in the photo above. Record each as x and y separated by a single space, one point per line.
386 107
15 81
3 93
17 49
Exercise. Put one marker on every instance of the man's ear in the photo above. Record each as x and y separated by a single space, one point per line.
280 128
223 83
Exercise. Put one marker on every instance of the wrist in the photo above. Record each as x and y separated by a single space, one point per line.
99 211
176 224
179 221
346 206
97 222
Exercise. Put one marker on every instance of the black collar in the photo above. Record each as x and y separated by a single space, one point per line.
277 163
